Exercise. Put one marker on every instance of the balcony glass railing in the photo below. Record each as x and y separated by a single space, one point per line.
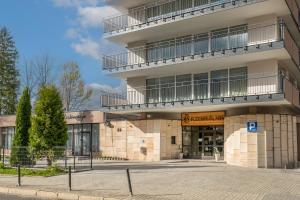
201 88
168 10
199 44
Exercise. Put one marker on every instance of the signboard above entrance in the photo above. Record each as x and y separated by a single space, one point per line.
202 119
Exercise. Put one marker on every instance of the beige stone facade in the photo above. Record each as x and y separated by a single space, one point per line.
274 145
148 140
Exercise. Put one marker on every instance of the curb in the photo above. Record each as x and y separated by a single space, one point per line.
48 195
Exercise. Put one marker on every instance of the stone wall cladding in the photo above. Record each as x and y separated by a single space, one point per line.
145 140
274 145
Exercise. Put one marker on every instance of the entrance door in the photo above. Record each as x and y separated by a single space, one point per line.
85 143
202 141
82 139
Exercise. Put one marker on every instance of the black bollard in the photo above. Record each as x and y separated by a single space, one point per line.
19 175
70 178
129 182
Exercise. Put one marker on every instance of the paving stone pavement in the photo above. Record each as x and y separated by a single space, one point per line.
174 180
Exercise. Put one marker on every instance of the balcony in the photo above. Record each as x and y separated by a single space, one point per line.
249 42
205 94
185 16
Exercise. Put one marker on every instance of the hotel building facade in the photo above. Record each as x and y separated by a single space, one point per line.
205 77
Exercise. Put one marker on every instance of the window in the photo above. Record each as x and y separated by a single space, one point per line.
80 136
238 36
228 38
7 136
201 43
238 81
152 90
219 39
183 46
70 137
173 139
183 87
201 86
219 83
167 89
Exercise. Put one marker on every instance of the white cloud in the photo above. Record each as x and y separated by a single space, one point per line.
72 33
76 3
87 47
84 30
93 16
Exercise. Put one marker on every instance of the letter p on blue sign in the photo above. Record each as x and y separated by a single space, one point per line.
252 126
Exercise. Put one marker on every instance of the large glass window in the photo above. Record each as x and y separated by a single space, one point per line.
183 87
167 88
77 139
219 83
238 81
227 38
201 86
70 138
81 136
219 39
7 136
201 43
152 90
238 36
183 46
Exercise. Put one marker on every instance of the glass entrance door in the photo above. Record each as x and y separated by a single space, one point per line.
85 144
202 142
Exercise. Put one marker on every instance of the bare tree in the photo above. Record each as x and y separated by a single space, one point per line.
43 67
38 72
73 90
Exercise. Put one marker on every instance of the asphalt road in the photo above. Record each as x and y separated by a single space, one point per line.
6 197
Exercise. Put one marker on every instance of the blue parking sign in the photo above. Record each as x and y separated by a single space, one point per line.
252 126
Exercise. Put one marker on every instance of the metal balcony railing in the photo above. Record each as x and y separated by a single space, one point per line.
168 10
234 86
215 41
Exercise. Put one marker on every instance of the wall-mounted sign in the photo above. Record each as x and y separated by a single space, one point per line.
202 119
252 127
78 116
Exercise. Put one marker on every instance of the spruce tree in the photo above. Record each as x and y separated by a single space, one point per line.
20 153
9 82
49 130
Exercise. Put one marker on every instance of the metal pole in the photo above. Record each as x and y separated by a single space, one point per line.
19 175
91 146
74 161
3 154
129 182
91 160
66 159
70 178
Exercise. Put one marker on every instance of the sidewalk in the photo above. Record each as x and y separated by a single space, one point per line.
168 180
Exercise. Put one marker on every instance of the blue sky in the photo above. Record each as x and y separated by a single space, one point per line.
64 29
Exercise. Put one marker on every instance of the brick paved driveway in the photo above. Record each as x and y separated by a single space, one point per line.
175 180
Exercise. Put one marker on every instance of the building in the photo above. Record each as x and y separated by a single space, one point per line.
205 77
83 132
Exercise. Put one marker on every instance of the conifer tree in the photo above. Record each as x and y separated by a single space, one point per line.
49 130
9 82
20 152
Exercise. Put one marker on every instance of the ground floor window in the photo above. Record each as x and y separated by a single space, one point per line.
7 137
83 139
202 141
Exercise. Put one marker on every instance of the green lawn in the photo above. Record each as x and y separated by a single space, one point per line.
50 171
